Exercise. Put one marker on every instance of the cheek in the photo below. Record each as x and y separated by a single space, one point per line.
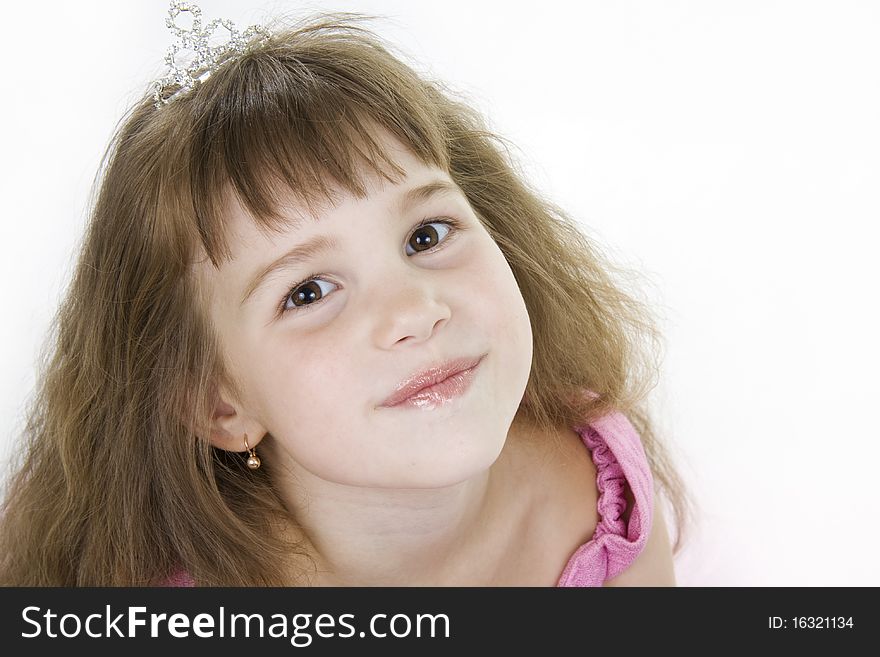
500 308
500 297
303 382
313 408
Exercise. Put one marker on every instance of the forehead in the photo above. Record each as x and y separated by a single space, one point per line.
298 216
252 242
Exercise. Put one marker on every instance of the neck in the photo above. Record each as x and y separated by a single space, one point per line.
456 535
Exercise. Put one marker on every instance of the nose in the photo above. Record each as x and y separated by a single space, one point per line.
410 312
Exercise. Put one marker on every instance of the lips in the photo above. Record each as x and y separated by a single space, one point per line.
432 376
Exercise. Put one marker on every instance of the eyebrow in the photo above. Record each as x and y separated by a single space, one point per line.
321 243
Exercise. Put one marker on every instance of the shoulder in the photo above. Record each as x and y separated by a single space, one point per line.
569 511
556 479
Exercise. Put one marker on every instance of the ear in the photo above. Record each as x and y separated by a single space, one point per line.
230 423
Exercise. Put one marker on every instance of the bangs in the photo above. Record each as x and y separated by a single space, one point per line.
300 117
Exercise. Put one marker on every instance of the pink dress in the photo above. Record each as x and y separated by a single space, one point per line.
617 452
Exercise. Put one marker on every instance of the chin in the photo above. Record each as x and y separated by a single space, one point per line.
454 466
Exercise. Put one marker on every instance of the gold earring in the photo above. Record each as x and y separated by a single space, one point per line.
253 461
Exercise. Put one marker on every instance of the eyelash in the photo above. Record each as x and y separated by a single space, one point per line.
454 227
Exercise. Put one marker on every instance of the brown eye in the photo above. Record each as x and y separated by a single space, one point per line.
426 237
307 294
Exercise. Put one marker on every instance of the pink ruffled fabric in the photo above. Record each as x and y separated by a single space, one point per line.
620 459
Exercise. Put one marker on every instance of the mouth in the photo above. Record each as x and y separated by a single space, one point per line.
435 386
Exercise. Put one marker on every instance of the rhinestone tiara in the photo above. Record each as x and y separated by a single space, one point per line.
203 58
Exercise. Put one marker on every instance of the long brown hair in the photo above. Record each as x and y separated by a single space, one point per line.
114 486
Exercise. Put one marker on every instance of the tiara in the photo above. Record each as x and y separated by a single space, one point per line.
204 59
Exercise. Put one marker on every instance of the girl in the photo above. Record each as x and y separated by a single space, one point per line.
321 332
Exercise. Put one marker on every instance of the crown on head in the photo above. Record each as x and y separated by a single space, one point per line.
205 58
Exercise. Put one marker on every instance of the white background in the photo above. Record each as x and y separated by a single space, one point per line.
729 151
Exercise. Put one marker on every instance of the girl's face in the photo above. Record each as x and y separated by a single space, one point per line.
320 343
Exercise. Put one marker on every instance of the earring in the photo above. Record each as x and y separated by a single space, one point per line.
253 461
